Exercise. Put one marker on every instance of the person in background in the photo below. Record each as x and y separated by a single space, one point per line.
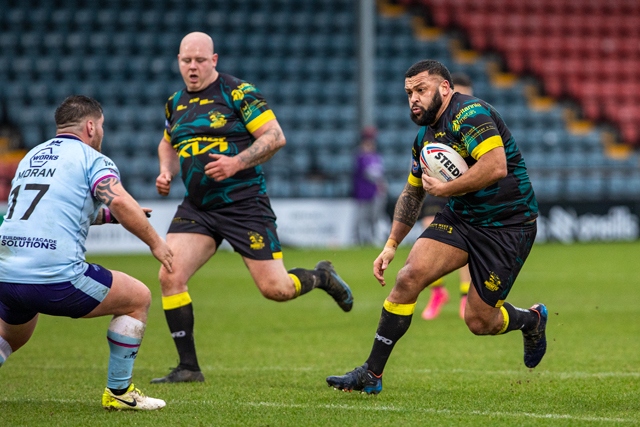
431 206
219 129
489 223
61 187
369 188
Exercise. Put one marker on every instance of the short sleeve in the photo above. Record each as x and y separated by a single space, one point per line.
100 168
476 128
253 108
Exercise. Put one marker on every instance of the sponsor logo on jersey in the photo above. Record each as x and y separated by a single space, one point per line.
257 241
206 101
28 242
248 110
42 157
181 107
191 147
237 95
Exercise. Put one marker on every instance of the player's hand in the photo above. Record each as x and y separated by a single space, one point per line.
163 253
222 167
163 183
433 186
382 262
147 212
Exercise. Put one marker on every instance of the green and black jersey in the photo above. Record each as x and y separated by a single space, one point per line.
219 120
473 127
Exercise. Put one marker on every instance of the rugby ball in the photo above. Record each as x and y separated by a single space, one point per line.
442 162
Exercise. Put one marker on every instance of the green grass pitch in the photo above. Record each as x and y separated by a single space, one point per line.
265 363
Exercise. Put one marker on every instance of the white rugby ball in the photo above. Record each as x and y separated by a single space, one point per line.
442 162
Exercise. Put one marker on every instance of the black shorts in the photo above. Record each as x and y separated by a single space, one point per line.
496 254
248 225
432 205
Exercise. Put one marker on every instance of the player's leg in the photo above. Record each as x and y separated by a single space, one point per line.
190 252
128 301
465 283
255 237
494 268
12 337
278 284
427 261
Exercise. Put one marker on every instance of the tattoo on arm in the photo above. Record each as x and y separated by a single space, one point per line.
105 192
409 205
262 148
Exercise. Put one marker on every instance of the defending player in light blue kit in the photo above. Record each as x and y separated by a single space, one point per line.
61 187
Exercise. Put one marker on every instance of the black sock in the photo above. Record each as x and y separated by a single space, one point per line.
390 329
119 391
308 279
181 321
518 319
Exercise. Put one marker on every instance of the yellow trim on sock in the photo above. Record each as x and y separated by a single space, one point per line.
176 301
296 283
277 255
439 282
464 287
505 320
399 309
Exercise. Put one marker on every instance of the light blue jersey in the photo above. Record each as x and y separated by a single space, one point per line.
51 206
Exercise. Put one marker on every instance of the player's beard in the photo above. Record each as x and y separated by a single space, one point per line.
428 116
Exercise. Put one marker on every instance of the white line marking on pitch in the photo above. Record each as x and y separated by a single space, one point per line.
384 408
442 412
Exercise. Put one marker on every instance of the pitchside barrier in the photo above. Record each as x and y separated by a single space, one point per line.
330 223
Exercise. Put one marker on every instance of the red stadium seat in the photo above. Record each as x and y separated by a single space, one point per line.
591 108
630 133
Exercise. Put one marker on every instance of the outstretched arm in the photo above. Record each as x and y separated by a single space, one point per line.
132 217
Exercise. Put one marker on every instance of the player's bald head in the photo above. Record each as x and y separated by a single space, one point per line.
197 41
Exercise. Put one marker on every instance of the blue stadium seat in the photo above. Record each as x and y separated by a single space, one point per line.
278 186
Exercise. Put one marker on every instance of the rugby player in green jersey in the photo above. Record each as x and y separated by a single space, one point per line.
489 223
219 129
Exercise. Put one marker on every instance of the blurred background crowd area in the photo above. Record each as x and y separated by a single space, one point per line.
563 74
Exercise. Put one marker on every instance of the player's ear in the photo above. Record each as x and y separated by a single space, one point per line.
90 128
445 88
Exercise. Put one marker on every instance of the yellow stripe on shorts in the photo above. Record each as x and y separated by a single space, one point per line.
399 309
176 301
